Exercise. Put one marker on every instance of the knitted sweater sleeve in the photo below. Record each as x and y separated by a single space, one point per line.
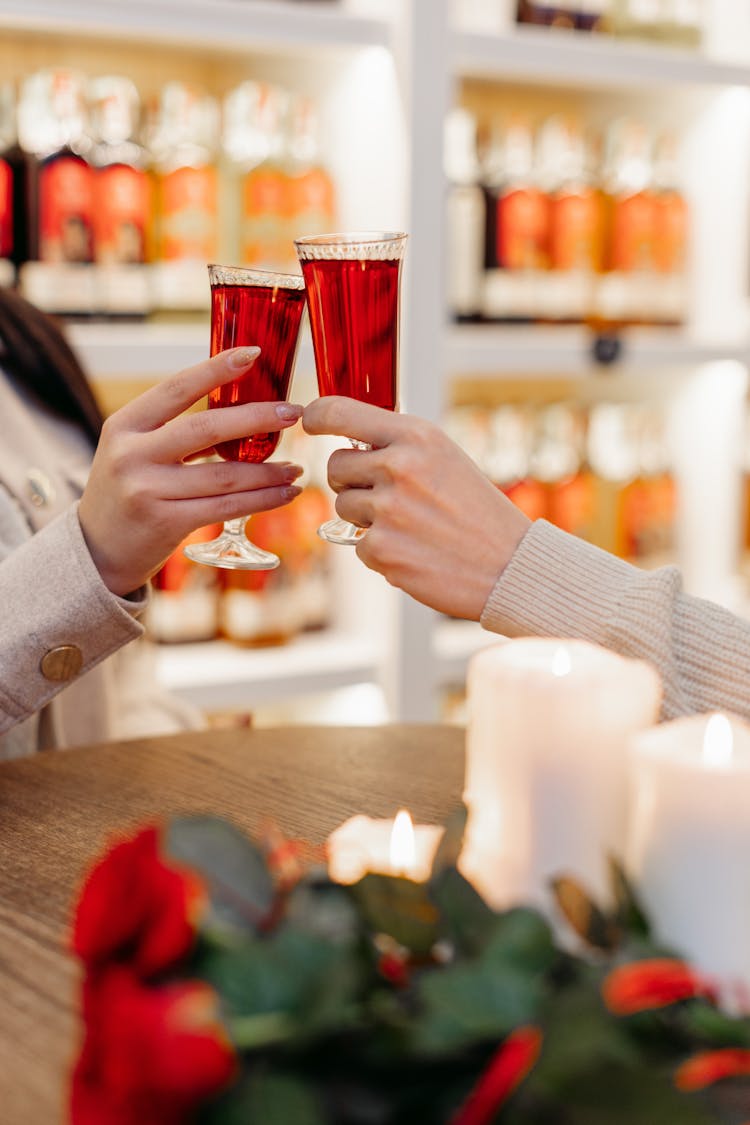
558 586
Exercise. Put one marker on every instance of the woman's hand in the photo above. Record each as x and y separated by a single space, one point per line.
437 527
142 498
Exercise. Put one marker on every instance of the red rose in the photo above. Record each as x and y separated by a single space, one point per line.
651 984
151 1055
506 1070
710 1066
136 906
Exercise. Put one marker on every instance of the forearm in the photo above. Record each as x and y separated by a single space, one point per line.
557 585
54 597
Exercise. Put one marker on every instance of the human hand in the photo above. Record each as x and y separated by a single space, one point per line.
142 497
438 528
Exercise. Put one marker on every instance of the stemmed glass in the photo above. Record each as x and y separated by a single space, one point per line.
251 307
352 283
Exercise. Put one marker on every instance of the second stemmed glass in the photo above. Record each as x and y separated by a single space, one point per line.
251 307
353 283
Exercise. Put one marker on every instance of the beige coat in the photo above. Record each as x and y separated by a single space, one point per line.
53 598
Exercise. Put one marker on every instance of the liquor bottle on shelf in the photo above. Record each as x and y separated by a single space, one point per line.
671 223
573 222
256 118
184 603
625 286
637 19
581 15
613 454
686 23
650 500
310 192
14 176
122 199
515 227
507 461
182 138
465 217
53 128
558 463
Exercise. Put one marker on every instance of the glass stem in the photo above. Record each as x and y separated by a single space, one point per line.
235 528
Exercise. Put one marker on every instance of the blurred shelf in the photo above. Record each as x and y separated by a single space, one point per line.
587 61
259 25
455 643
150 350
217 674
489 350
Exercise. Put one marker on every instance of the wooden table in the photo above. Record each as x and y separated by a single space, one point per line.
58 810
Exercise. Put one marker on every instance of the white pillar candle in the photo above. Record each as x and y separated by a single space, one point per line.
546 777
386 847
688 847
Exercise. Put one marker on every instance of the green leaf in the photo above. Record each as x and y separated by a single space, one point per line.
713 1028
465 918
291 973
400 908
579 1034
522 939
266 1098
629 914
325 910
233 868
451 843
640 1095
465 1004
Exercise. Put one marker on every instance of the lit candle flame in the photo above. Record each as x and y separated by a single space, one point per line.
403 851
718 742
561 662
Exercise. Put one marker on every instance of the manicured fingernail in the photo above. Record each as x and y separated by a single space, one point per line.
290 491
243 357
291 472
287 411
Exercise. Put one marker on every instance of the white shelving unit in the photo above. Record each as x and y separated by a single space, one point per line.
384 82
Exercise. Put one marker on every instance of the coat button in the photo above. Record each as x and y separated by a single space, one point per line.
62 663
40 487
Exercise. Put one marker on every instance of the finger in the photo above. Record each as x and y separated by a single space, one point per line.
355 505
193 433
349 418
217 478
355 468
174 395
234 505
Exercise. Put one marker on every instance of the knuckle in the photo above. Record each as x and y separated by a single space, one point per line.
225 475
403 463
203 427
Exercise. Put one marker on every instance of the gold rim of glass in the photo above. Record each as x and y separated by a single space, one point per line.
245 275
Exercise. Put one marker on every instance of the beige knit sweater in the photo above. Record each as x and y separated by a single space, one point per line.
558 586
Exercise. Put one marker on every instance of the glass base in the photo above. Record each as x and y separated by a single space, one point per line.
341 531
232 552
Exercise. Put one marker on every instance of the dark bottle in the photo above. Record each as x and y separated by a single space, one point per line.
53 130
14 189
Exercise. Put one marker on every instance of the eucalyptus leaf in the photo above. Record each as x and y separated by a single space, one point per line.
451 843
234 869
629 914
465 1004
400 908
465 918
267 1098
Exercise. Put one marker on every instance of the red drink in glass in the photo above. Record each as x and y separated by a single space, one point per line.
352 283
353 307
266 316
